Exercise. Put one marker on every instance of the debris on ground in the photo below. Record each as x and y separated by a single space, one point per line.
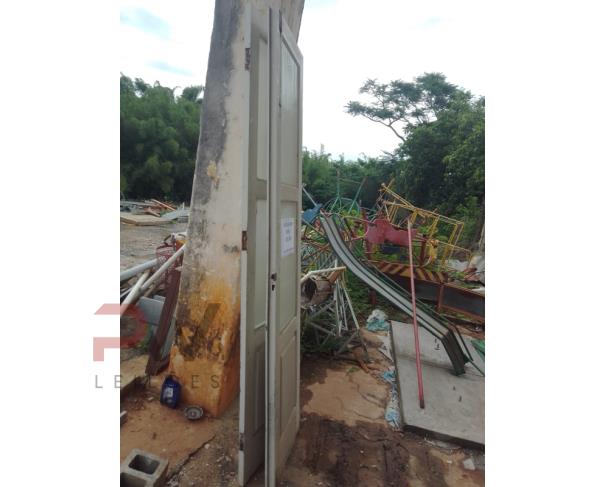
377 321
148 295
193 413
152 212
385 348
142 220
392 413
180 214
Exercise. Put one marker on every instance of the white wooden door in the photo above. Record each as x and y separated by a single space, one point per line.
255 257
285 174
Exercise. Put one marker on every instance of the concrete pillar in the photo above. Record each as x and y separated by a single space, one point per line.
205 357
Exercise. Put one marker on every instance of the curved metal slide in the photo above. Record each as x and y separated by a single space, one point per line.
399 297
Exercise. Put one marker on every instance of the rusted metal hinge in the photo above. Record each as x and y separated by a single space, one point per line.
244 240
248 56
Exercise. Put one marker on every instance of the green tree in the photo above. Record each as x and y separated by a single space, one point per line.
321 171
440 160
158 139
402 105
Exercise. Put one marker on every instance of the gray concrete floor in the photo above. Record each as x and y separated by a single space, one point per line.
454 405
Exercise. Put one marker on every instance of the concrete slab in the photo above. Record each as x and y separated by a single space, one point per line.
454 405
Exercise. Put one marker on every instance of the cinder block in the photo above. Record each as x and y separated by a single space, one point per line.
143 469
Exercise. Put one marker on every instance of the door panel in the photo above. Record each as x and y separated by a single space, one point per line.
285 163
255 259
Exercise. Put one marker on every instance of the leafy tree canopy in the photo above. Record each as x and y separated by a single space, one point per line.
440 160
402 105
158 139
323 175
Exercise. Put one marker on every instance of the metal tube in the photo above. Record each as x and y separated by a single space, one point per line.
348 298
163 268
133 292
322 271
416 339
309 196
137 269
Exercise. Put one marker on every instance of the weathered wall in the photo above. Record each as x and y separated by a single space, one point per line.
205 357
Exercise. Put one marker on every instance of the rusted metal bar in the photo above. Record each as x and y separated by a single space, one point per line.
416 338
156 361
440 298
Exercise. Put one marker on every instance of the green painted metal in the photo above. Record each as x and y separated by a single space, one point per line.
480 347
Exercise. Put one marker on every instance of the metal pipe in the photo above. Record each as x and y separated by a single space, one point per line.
125 293
163 268
308 195
322 271
416 339
133 292
348 298
137 269
357 194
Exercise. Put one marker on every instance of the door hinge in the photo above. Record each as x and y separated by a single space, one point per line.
248 56
280 22
244 240
241 442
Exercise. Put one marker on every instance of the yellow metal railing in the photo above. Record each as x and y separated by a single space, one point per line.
391 204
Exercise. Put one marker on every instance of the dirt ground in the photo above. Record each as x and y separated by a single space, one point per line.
138 243
200 453
343 438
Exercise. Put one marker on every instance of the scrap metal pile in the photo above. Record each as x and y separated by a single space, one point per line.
148 297
327 310
151 212
442 270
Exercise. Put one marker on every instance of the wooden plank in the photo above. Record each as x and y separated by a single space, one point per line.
151 212
142 219
163 205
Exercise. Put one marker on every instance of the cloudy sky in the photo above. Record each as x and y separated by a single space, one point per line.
343 42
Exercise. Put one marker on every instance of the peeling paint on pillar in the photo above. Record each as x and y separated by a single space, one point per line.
205 356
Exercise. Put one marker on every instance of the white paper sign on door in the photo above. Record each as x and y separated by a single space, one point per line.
287 236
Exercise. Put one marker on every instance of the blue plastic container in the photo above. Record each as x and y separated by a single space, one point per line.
171 392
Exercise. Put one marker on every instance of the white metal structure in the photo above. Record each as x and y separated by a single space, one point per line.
270 317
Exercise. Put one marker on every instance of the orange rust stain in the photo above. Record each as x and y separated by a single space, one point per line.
205 358
209 320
